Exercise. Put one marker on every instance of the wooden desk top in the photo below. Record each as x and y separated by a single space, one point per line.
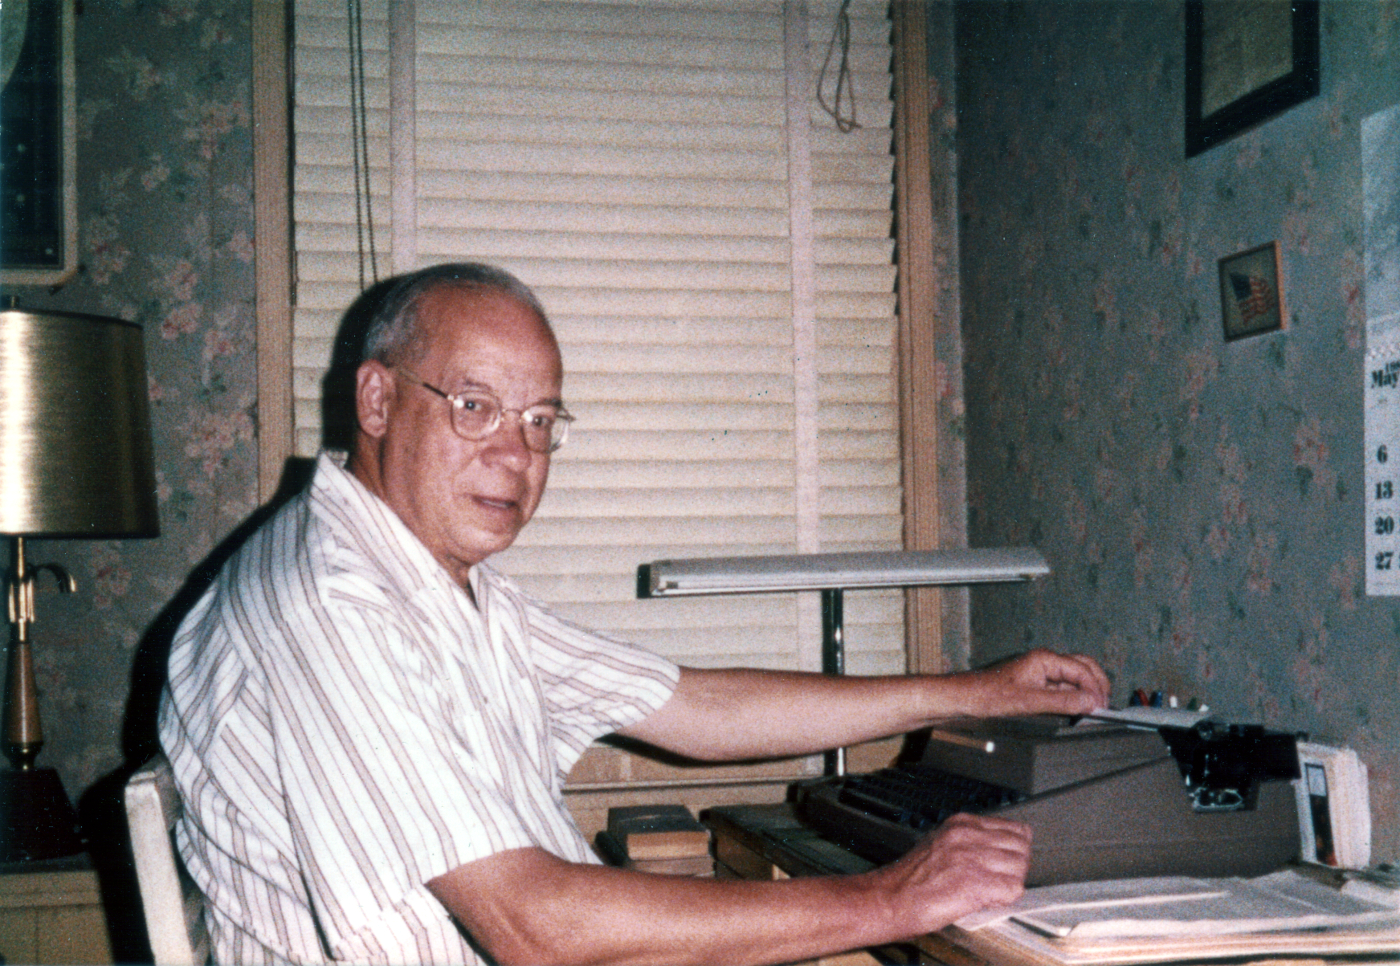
777 834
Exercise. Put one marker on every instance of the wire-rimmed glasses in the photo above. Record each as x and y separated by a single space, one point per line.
477 413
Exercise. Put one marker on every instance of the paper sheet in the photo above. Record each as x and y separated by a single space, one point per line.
1150 717
1181 906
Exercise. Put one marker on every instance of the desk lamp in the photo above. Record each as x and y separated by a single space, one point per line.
75 461
832 574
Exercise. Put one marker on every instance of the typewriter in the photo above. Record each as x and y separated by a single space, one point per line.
1103 800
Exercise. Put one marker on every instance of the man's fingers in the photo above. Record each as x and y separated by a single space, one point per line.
1067 673
994 845
1070 702
969 863
986 824
1090 677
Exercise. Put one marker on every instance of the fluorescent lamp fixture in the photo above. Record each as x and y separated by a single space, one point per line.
838 571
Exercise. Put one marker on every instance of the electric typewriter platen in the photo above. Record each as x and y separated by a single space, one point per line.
1102 800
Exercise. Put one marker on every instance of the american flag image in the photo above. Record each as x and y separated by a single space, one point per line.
1253 296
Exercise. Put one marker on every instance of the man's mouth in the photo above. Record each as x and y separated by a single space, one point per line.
496 503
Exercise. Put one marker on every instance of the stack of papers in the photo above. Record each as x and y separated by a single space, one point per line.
1181 918
1180 905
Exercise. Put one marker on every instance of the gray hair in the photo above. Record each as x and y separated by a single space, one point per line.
393 327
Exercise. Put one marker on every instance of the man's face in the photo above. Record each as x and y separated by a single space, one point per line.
464 499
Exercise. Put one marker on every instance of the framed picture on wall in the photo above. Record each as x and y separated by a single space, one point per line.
1251 299
1246 61
38 186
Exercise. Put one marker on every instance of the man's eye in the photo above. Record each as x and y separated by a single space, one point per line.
543 420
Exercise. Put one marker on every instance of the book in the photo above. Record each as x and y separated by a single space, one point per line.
612 852
649 832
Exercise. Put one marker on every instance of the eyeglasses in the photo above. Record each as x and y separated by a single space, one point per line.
477 413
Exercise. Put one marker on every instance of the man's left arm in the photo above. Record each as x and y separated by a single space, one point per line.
731 714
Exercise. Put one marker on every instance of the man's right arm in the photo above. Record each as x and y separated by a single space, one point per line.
527 906
733 714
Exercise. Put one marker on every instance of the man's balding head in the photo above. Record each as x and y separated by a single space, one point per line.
393 336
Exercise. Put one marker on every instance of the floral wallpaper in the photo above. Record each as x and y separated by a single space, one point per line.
1200 502
165 216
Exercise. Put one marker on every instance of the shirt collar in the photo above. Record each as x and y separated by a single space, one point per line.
335 484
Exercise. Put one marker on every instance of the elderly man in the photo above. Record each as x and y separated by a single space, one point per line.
370 726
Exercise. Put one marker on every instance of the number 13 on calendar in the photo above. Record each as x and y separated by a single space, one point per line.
1382 394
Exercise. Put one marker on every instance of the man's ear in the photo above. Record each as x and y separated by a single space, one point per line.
374 395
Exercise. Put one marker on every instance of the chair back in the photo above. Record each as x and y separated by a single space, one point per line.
174 908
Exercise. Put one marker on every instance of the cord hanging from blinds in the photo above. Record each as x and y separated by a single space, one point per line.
802 264
359 144
842 106
403 133
632 162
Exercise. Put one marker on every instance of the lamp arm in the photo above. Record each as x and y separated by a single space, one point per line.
23 729
20 589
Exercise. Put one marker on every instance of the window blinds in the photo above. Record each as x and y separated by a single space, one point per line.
716 257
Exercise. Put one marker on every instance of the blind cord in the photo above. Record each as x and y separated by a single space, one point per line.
841 36
359 146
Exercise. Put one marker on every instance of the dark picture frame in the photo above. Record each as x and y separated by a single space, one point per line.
38 204
1246 61
1251 292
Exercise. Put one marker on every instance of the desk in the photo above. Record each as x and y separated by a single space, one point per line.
51 912
770 842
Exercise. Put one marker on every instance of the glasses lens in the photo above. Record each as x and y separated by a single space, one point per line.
474 415
561 431
544 430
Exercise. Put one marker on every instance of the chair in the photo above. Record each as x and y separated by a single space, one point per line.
174 908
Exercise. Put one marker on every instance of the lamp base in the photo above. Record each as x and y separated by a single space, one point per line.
37 821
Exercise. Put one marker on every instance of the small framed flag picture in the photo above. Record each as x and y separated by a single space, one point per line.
1251 299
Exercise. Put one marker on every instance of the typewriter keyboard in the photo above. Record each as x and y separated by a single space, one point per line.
922 798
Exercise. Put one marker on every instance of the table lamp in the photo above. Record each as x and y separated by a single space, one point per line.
75 461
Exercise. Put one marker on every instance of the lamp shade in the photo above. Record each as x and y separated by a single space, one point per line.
75 436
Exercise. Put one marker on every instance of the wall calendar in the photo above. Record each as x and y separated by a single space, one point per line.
1383 470
1380 176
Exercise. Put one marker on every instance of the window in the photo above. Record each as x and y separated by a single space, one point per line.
716 257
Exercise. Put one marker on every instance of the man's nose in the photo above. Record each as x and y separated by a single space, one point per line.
508 441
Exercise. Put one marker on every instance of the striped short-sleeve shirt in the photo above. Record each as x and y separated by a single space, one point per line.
346 724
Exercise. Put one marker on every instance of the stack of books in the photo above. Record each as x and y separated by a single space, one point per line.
656 838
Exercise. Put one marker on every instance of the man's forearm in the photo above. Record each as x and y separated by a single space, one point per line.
582 914
742 713
528 906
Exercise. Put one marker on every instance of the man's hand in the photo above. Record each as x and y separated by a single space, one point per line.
1038 682
969 863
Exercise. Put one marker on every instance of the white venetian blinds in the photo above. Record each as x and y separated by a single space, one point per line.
715 254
